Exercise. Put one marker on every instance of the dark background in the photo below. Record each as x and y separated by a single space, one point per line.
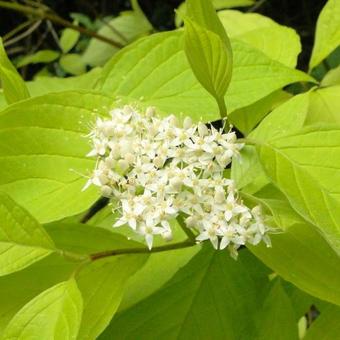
299 14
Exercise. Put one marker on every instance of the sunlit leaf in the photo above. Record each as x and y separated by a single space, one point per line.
278 42
22 240
54 314
43 152
299 253
69 37
154 71
13 85
42 56
305 167
327 35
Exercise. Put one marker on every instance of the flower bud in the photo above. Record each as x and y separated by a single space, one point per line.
167 235
202 130
123 165
187 123
150 111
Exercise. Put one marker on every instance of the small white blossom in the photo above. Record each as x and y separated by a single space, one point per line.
157 169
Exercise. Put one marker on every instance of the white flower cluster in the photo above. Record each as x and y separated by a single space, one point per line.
156 169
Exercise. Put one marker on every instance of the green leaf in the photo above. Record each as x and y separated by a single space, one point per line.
285 119
43 152
102 285
278 42
68 39
43 85
204 300
204 15
13 86
159 269
218 4
84 239
18 288
327 35
210 59
324 105
53 314
154 70
305 167
332 77
299 253
246 118
247 171
208 49
326 326
73 63
125 28
22 240
42 56
276 319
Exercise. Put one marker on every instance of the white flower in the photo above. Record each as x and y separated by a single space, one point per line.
209 234
228 235
131 212
148 231
156 169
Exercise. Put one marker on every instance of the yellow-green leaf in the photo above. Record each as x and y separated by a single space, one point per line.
53 314
327 35
13 85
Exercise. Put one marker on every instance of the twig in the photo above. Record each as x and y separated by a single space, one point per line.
256 6
23 34
16 30
96 207
53 32
15 50
46 15
180 245
115 31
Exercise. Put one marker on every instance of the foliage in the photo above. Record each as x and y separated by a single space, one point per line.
67 274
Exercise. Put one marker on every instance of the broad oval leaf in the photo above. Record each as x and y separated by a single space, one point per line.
102 285
72 63
218 4
18 288
210 59
202 12
299 253
126 27
53 314
42 56
43 152
332 77
204 300
306 168
246 118
286 119
324 105
23 240
68 39
13 85
327 35
276 319
278 42
154 71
